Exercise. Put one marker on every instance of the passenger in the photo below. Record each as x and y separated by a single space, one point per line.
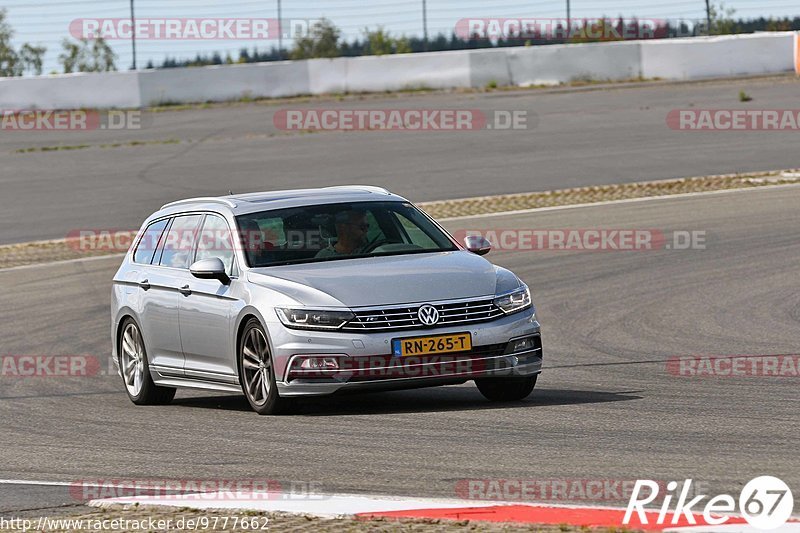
351 234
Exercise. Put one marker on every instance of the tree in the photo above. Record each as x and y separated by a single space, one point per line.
71 56
380 42
9 59
12 62
779 25
323 41
722 22
82 56
31 57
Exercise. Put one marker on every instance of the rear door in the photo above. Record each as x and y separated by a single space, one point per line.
166 277
158 300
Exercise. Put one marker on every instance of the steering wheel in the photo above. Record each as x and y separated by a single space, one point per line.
370 246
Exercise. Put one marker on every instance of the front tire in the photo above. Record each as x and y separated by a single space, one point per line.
135 369
257 373
506 389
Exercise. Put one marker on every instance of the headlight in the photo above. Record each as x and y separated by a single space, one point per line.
514 301
313 319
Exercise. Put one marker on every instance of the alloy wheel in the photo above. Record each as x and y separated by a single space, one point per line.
257 366
132 359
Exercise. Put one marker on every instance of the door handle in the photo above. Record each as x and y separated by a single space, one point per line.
185 290
144 284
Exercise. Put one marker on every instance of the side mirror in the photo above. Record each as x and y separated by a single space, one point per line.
211 268
477 244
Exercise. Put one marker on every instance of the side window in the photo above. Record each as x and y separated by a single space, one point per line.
215 241
149 241
374 233
179 241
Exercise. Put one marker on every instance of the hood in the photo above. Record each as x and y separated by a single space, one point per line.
376 281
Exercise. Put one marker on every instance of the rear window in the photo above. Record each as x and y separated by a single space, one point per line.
179 241
149 241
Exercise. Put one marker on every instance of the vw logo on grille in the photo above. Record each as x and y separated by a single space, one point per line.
428 315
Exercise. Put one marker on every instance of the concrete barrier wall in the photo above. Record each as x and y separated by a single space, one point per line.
730 55
70 91
551 65
675 59
220 83
489 66
326 76
407 71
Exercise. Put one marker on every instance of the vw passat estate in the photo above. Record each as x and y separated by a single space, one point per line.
312 292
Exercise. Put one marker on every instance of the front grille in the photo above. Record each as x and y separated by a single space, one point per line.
406 317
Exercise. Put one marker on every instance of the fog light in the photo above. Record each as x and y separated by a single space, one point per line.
522 345
319 363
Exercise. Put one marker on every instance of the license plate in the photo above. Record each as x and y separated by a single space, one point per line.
457 342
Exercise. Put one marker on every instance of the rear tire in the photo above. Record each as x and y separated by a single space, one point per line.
257 372
135 369
506 389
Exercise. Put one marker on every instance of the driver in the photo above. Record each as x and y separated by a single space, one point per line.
351 233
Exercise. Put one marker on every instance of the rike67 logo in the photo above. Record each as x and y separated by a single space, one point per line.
765 503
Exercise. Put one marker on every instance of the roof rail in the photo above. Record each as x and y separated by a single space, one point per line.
201 200
369 188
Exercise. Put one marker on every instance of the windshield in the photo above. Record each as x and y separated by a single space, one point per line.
338 231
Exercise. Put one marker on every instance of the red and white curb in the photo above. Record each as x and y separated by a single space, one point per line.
373 506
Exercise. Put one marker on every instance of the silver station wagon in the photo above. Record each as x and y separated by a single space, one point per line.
312 292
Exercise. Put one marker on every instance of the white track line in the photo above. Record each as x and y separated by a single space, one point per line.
320 505
359 502
621 201
63 262
30 482
80 484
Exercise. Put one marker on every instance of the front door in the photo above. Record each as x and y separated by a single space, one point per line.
207 310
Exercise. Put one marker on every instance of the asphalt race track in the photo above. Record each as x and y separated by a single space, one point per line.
575 137
605 408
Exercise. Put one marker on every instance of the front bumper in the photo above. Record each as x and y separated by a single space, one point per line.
366 361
